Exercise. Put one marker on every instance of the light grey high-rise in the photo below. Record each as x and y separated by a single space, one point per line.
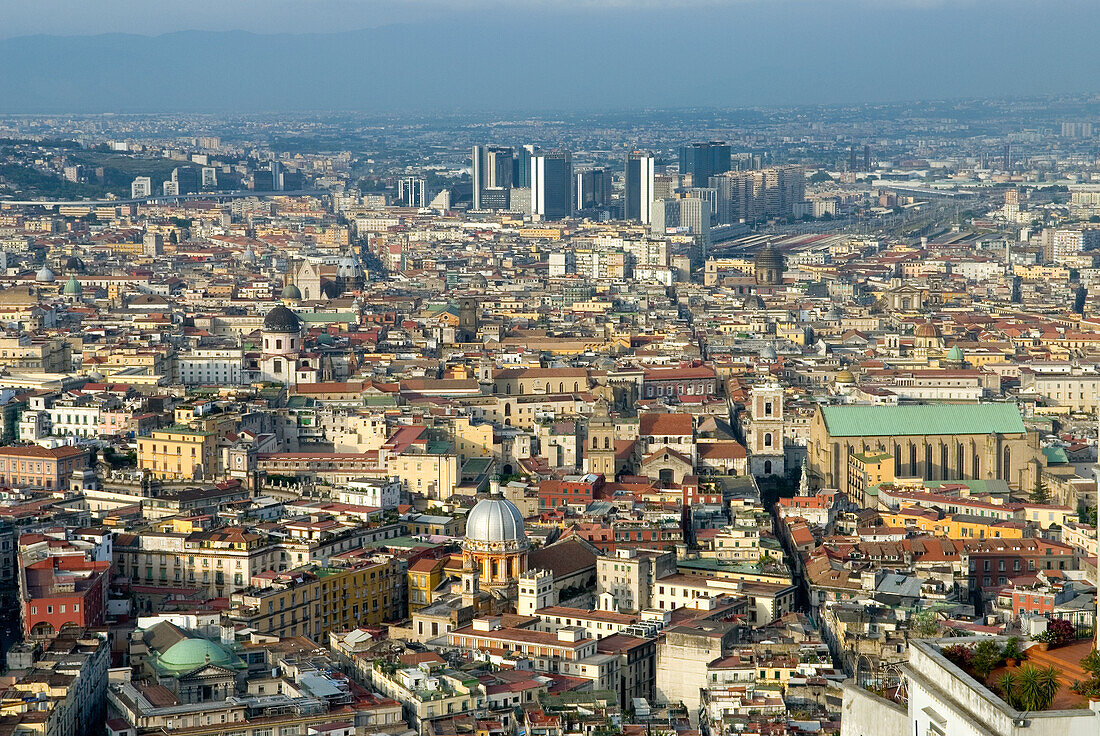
492 177
638 187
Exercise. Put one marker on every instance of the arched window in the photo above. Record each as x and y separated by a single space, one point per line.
927 461
976 473
897 459
1008 465
595 443
767 467
607 442
576 386
507 409
944 466
912 460
960 463
767 439
561 388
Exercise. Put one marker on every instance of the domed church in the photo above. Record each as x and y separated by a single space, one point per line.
494 552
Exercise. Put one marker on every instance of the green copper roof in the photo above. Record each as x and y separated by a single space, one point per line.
189 654
1055 455
885 421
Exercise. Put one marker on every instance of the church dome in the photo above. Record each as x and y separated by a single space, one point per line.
495 520
768 257
768 353
189 654
955 354
926 330
290 291
72 287
845 376
44 275
753 302
281 319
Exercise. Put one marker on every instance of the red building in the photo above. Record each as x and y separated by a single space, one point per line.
679 381
63 591
574 489
995 563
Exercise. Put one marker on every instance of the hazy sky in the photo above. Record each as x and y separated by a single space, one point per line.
536 55
151 17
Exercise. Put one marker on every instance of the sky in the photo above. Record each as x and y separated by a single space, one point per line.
534 55
153 17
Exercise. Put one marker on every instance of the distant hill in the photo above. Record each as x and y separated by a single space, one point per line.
737 53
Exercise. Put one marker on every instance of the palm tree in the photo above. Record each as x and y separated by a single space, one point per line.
1037 687
1009 684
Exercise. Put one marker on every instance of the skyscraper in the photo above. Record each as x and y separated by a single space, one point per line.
638 187
552 185
521 166
412 191
704 160
593 188
492 177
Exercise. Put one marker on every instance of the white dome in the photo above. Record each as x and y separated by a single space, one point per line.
44 275
495 520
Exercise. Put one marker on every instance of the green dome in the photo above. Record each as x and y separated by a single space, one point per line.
290 291
955 354
72 287
189 654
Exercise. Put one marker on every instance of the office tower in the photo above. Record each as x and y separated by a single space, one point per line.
289 181
262 181
492 177
852 157
521 166
736 196
141 186
1076 130
866 157
704 160
412 191
187 179
209 177
757 196
638 187
1006 158
552 185
681 213
276 176
593 188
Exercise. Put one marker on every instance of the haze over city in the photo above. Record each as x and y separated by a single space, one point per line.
499 368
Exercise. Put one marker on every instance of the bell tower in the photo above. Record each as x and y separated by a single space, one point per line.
601 441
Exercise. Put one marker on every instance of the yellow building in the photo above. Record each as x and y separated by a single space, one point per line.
472 440
434 474
178 453
867 469
424 576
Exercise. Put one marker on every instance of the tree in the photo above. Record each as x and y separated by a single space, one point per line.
1040 493
1009 685
985 659
1037 687
923 625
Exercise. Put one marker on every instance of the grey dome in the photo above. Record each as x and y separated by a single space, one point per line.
44 275
281 319
495 520
768 353
290 291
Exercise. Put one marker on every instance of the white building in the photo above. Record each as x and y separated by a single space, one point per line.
211 366
374 492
